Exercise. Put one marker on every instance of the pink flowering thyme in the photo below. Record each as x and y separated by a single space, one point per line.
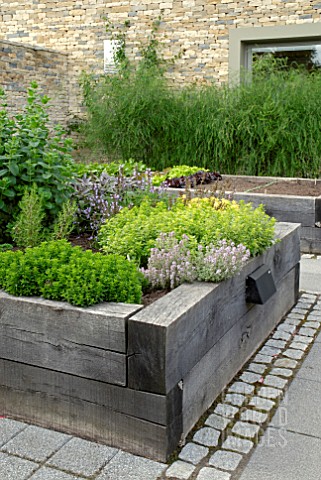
174 262
170 262
215 264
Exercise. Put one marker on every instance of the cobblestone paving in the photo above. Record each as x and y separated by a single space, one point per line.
230 428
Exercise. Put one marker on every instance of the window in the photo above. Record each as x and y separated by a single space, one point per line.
300 45
110 48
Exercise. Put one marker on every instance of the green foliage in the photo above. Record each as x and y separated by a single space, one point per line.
267 126
27 229
58 271
175 172
207 220
66 220
5 246
30 153
112 168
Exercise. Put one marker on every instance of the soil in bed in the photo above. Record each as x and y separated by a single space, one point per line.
280 186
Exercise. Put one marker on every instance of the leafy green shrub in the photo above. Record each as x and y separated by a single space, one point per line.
31 153
5 246
27 229
58 271
126 168
174 172
133 232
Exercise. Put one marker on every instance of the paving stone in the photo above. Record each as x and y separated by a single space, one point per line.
299 346
300 410
207 436
235 399
181 470
253 416
256 368
9 428
36 443
309 296
275 343
217 422
130 467
269 392
312 324
226 410
271 351
250 377
208 473
297 315
263 358
283 372
293 321
280 335
241 387
225 460
284 455
261 404
82 457
14 468
309 332
273 381
285 327
302 339
295 354
299 310
46 473
314 318
193 453
286 363
237 444
307 255
248 430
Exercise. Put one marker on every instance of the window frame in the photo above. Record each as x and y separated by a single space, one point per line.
243 40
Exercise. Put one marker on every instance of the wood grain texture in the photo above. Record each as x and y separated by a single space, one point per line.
167 339
61 355
65 387
102 326
219 366
87 420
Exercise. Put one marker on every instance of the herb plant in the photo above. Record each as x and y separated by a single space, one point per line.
27 230
58 271
133 232
170 262
174 262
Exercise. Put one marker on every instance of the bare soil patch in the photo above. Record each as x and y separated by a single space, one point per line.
270 185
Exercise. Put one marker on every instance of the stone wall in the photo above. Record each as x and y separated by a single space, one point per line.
196 29
21 64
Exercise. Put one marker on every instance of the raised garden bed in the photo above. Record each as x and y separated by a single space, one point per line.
136 378
295 200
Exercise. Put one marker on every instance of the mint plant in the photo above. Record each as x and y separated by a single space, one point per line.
32 153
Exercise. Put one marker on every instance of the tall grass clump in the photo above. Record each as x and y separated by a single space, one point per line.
268 125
